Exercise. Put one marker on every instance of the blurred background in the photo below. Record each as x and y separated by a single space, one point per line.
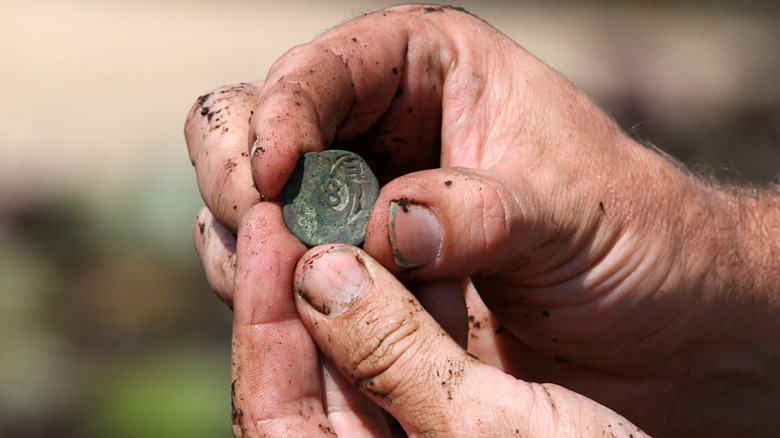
107 326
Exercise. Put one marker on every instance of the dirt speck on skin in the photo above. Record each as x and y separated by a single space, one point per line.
477 325
404 203
203 99
551 400
236 412
451 375
368 385
230 164
216 104
326 429
429 9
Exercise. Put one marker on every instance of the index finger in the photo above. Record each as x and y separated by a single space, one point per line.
373 85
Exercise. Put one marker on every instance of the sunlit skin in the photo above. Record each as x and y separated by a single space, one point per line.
574 282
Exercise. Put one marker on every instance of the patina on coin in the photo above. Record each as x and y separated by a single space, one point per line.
329 198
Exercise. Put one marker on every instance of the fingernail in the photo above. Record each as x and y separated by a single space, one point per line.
415 234
334 280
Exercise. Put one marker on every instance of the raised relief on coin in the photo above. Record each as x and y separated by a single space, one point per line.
329 198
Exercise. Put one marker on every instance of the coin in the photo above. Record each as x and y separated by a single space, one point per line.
329 198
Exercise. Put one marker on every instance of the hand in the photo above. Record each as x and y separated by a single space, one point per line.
588 248
380 349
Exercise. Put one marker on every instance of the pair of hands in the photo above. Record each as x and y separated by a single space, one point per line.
517 224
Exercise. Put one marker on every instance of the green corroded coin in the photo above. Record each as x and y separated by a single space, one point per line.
329 198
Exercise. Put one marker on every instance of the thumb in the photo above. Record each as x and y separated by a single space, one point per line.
449 223
380 337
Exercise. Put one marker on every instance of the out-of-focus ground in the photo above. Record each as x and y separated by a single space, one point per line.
107 326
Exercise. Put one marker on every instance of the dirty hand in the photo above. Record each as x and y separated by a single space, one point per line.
604 267
379 349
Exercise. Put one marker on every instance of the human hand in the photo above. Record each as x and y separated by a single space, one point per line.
587 247
379 349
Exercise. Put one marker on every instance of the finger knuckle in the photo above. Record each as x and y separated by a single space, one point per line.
494 225
387 362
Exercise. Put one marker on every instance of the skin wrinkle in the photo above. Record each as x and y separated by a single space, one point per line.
482 240
350 116
307 91
562 273
353 98
602 271
497 131
378 364
316 111
548 404
463 141
592 303
344 410
493 241
246 403
374 363
604 248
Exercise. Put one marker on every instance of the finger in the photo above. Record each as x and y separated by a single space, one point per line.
382 340
349 411
373 85
276 374
446 223
375 330
217 134
278 381
216 247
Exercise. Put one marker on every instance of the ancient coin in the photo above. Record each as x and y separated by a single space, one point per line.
329 198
